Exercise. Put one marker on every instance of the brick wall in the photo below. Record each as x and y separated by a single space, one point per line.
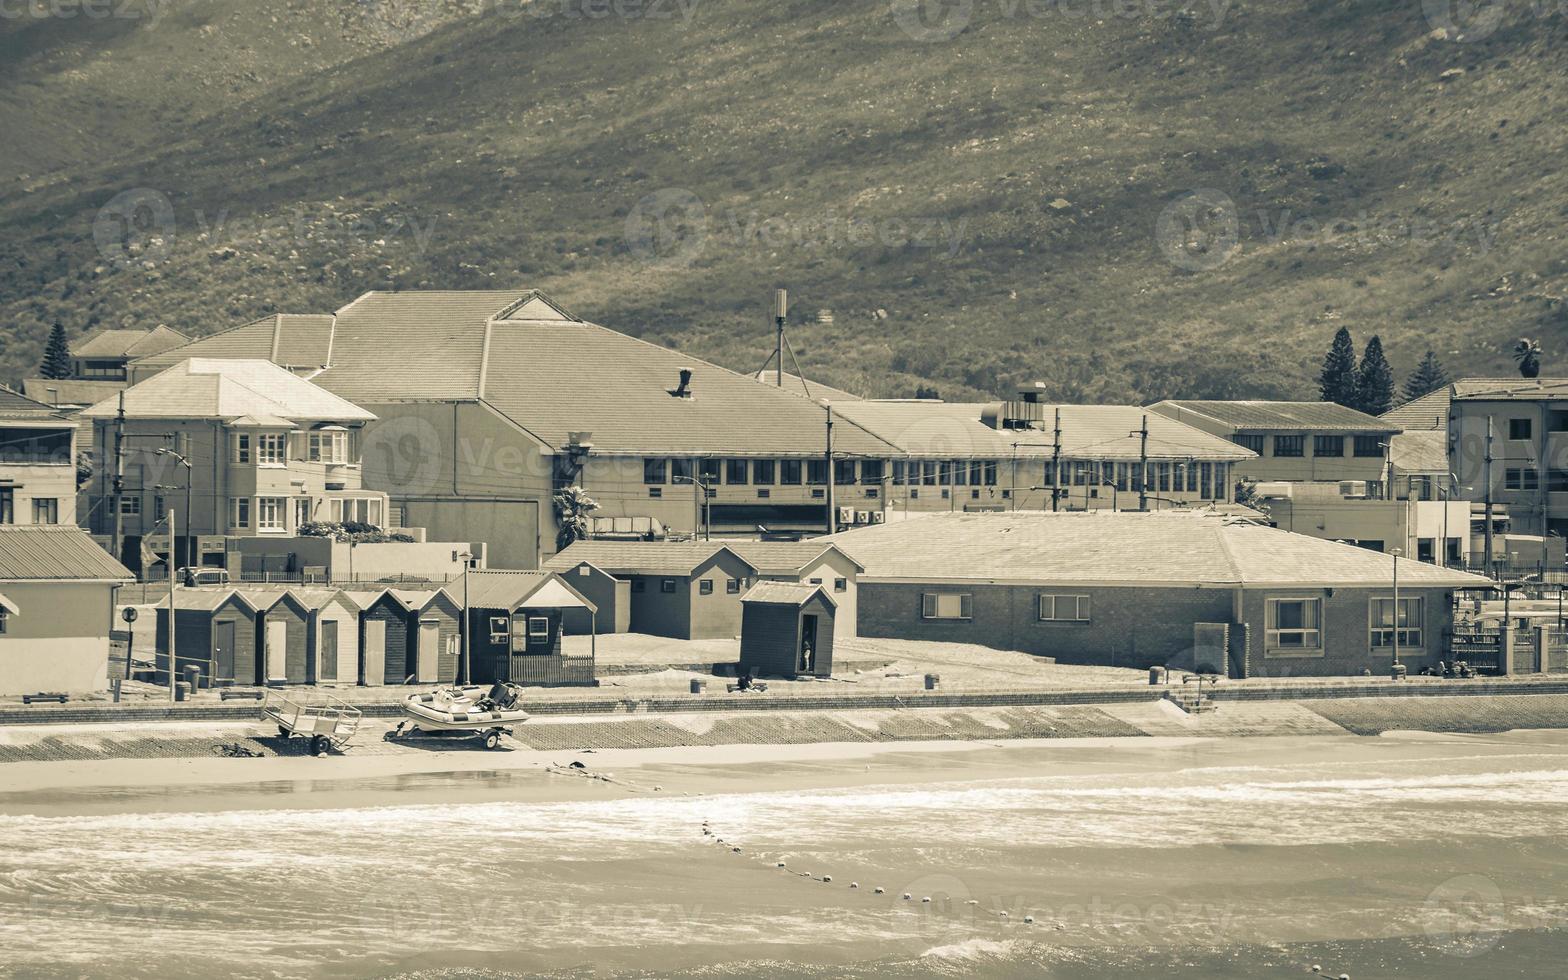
1346 639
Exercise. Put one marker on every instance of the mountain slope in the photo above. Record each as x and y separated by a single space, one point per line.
1123 206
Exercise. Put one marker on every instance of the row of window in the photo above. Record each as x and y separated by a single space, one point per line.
46 510
1207 480
523 630
760 472
274 449
733 586
1291 624
1295 446
1529 478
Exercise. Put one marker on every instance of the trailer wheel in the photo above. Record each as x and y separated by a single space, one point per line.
492 739
319 745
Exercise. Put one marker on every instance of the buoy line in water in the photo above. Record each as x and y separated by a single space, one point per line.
1001 915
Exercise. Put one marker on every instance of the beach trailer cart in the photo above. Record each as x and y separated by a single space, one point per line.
325 721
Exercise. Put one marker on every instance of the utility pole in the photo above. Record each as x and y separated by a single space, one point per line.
173 660
1486 555
1143 465
832 513
780 311
118 486
1056 460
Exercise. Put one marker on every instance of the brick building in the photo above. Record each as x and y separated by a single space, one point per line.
1140 589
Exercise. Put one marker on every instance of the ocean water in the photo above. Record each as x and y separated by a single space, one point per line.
1373 858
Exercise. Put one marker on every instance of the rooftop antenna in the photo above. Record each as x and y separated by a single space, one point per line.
781 345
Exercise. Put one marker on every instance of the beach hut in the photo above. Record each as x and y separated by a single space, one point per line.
216 630
611 598
516 622
284 636
787 630
370 635
416 633
332 636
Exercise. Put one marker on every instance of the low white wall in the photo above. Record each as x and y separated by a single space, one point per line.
369 562
59 641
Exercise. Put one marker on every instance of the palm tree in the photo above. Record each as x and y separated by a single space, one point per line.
572 507
1528 353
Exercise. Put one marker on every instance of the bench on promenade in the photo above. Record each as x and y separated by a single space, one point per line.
755 686
228 694
35 698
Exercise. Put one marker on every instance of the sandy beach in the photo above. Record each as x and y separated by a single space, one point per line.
1436 855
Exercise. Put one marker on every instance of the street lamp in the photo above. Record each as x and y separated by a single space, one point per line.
185 462
1397 666
467 558
700 515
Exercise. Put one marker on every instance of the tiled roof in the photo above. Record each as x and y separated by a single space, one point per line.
501 589
805 386
784 593
1419 451
949 429
228 389
1430 411
114 344
14 401
1122 548
70 391
782 557
290 339
1276 416
32 552
639 557
1510 389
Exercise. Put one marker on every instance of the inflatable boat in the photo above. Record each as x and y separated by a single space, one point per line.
487 711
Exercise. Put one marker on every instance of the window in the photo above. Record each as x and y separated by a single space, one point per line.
841 585
4 613
708 471
1250 441
1557 481
1292 624
270 449
814 581
705 587
327 446
732 586
498 629
639 585
817 472
1289 445
990 473
843 471
1064 608
242 448
958 473
667 586
365 510
898 472
302 511
681 470
1521 478
46 510
656 492
1368 446
270 514
737 472
130 506
1519 429
239 512
871 471
946 605
762 472
928 473
789 472
538 629
653 470
1328 445
1380 615
8 505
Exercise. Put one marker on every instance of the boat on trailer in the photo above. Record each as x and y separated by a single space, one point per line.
490 712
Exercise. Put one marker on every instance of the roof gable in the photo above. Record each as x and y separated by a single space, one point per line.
621 558
1430 411
787 594
230 389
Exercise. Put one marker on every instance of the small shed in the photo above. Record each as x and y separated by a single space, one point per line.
516 622
370 637
415 634
787 630
283 636
611 598
332 637
216 630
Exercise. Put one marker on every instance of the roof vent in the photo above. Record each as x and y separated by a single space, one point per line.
683 390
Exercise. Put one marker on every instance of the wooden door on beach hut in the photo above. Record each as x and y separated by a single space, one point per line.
277 640
375 652
429 648
223 638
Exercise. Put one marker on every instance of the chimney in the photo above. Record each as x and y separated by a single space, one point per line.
684 389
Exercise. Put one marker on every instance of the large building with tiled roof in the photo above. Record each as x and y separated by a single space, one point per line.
1296 442
1144 589
38 462
103 356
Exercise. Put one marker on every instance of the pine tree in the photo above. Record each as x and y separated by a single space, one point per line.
1375 387
1338 382
1428 376
57 355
